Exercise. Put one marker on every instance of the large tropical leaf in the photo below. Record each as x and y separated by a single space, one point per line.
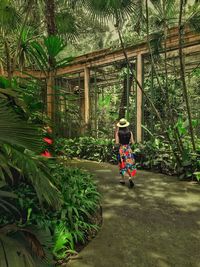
51 47
4 200
21 247
163 13
15 131
39 55
28 35
35 170
105 9
66 24
54 45
193 17
9 16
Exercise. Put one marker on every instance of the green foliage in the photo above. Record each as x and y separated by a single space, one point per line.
66 24
21 247
15 131
5 203
8 14
52 47
62 239
20 142
69 225
163 13
86 148
155 154
108 9
24 54
197 175
81 200
193 16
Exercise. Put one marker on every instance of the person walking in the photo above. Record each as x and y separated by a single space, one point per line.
124 138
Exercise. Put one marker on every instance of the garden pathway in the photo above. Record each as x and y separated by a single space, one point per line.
155 224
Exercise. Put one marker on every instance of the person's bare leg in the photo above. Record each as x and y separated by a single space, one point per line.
122 180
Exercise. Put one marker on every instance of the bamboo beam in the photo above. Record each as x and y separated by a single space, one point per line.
25 74
107 57
86 95
50 97
139 99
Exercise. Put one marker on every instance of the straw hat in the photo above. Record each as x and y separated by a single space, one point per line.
123 123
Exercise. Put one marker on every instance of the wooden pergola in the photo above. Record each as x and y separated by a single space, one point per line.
83 65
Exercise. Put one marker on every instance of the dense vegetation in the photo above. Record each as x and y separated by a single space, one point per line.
46 207
153 155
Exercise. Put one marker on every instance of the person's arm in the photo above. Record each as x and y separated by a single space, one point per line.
132 141
116 137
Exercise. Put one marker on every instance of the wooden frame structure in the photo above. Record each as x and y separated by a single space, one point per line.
83 64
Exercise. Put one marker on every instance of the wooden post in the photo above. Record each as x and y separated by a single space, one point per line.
139 98
86 95
127 92
95 105
50 97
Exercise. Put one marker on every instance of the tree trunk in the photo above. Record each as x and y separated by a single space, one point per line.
51 30
8 60
50 17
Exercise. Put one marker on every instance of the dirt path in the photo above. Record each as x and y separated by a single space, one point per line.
156 224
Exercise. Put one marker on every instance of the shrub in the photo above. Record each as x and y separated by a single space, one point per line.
155 154
87 148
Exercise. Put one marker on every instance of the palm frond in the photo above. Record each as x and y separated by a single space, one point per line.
15 131
163 13
193 17
4 202
52 47
36 171
9 16
21 247
104 10
66 25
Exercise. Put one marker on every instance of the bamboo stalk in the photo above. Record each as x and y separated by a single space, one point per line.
182 74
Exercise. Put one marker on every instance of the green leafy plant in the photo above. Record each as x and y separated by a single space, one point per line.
86 148
52 46
72 223
63 242
21 247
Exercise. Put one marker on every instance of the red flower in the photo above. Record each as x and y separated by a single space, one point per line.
48 140
46 154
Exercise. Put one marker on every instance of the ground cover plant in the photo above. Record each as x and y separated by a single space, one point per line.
58 230
86 148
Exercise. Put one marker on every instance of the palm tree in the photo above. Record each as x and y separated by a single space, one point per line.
50 17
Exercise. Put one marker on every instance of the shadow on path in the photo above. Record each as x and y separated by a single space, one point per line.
155 224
